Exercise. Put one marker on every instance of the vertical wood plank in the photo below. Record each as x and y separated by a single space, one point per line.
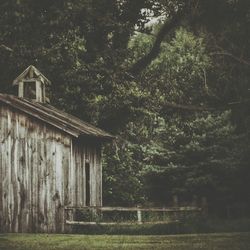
41 171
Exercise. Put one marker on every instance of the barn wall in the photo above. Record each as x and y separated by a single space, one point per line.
34 160
42 170
84 151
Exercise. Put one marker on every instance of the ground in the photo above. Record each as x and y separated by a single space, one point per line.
221 241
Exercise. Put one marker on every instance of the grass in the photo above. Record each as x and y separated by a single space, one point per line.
190 225
218 241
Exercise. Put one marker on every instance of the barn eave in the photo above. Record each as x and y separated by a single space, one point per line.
57 118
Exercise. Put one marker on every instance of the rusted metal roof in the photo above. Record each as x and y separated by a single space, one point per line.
57 118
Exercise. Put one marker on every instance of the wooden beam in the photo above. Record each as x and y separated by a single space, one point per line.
88 223
135 209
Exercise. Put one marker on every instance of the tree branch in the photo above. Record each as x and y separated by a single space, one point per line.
129 17
187 107
225 53
2 46
193 108
167 27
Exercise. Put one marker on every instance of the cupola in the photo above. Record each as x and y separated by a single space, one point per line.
32 85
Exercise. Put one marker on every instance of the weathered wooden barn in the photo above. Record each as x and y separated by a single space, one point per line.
48 159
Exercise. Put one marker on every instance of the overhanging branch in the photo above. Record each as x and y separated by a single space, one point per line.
4 47
193 108
226 53
167 27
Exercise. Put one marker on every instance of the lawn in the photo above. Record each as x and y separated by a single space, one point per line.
228 241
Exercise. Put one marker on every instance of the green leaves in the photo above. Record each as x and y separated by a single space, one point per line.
87 49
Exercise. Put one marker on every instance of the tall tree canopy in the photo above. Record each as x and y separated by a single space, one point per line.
170 78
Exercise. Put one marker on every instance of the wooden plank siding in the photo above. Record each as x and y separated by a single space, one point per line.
83 152
41 172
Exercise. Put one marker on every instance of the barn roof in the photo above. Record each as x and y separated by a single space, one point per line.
57 118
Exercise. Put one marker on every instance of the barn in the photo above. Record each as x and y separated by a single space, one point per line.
48 159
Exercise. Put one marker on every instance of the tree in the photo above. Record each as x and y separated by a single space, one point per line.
109 66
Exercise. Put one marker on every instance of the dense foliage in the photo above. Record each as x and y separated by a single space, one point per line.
169 78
